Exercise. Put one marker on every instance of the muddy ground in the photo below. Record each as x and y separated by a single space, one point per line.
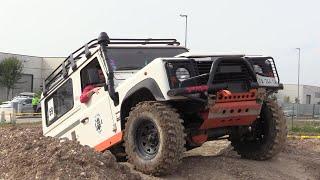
25 154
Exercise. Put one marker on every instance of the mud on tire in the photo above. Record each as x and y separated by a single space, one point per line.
269 134
154 138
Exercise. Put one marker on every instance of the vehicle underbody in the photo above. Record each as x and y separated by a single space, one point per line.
225 98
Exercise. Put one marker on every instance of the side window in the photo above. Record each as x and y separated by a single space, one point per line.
92 74
28 101
59 103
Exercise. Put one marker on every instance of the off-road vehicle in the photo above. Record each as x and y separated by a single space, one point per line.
159 100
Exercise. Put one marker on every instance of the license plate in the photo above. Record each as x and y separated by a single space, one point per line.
267 81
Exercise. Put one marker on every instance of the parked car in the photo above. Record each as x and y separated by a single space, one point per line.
25 101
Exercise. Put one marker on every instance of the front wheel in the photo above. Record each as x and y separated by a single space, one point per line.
154 138
267 137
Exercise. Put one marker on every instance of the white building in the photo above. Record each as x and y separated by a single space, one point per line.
35 70
307 94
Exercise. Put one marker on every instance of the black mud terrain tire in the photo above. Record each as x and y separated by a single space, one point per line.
269 137
154 138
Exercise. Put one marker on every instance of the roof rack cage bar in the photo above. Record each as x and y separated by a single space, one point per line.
72 63
146 42
64 70
53 77
125 41
85 50
94 40
145 39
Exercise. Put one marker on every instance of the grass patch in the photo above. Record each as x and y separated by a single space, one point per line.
300 127
306 129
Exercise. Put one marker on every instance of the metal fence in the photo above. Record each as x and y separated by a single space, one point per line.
302 116
305 111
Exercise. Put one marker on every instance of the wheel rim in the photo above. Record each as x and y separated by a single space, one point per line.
147 139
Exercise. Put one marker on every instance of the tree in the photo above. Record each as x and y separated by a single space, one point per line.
10 72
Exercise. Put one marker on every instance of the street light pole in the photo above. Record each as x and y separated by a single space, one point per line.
299 50
186 29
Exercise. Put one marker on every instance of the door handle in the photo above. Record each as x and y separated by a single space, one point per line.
84 120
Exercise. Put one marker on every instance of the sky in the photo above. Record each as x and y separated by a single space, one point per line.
268 27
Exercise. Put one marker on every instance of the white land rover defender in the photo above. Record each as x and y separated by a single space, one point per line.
159 100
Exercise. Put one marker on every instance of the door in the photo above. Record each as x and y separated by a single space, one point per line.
308 99
97 119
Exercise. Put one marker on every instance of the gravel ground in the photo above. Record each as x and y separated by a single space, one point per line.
26 154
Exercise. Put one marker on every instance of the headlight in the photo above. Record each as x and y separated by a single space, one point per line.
182 74
179 73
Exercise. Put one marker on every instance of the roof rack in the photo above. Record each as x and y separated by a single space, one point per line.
145 41
61 72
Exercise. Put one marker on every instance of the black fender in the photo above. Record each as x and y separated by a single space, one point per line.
146 90
149 84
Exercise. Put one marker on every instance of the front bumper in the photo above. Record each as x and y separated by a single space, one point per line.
237 109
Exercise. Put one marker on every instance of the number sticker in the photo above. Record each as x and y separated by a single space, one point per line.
98 123
51 109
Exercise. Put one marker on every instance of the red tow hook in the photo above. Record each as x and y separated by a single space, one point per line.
225 92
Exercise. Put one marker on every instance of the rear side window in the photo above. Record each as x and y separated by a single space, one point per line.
59 103
28 101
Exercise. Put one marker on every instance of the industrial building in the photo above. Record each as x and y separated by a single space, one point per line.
35 70
307 94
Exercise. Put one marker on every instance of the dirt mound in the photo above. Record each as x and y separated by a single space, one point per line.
26 154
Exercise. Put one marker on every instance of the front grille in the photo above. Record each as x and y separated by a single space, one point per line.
229 71
232 76
204 66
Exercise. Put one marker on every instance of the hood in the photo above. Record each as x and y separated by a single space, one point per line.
201 55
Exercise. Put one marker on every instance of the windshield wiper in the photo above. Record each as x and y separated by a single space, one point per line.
128 67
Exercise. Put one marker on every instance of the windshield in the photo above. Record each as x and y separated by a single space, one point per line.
137 58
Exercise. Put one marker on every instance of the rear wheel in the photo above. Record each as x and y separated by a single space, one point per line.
267 137
154 138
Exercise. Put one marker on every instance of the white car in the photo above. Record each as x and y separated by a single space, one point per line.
150 100
24 101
